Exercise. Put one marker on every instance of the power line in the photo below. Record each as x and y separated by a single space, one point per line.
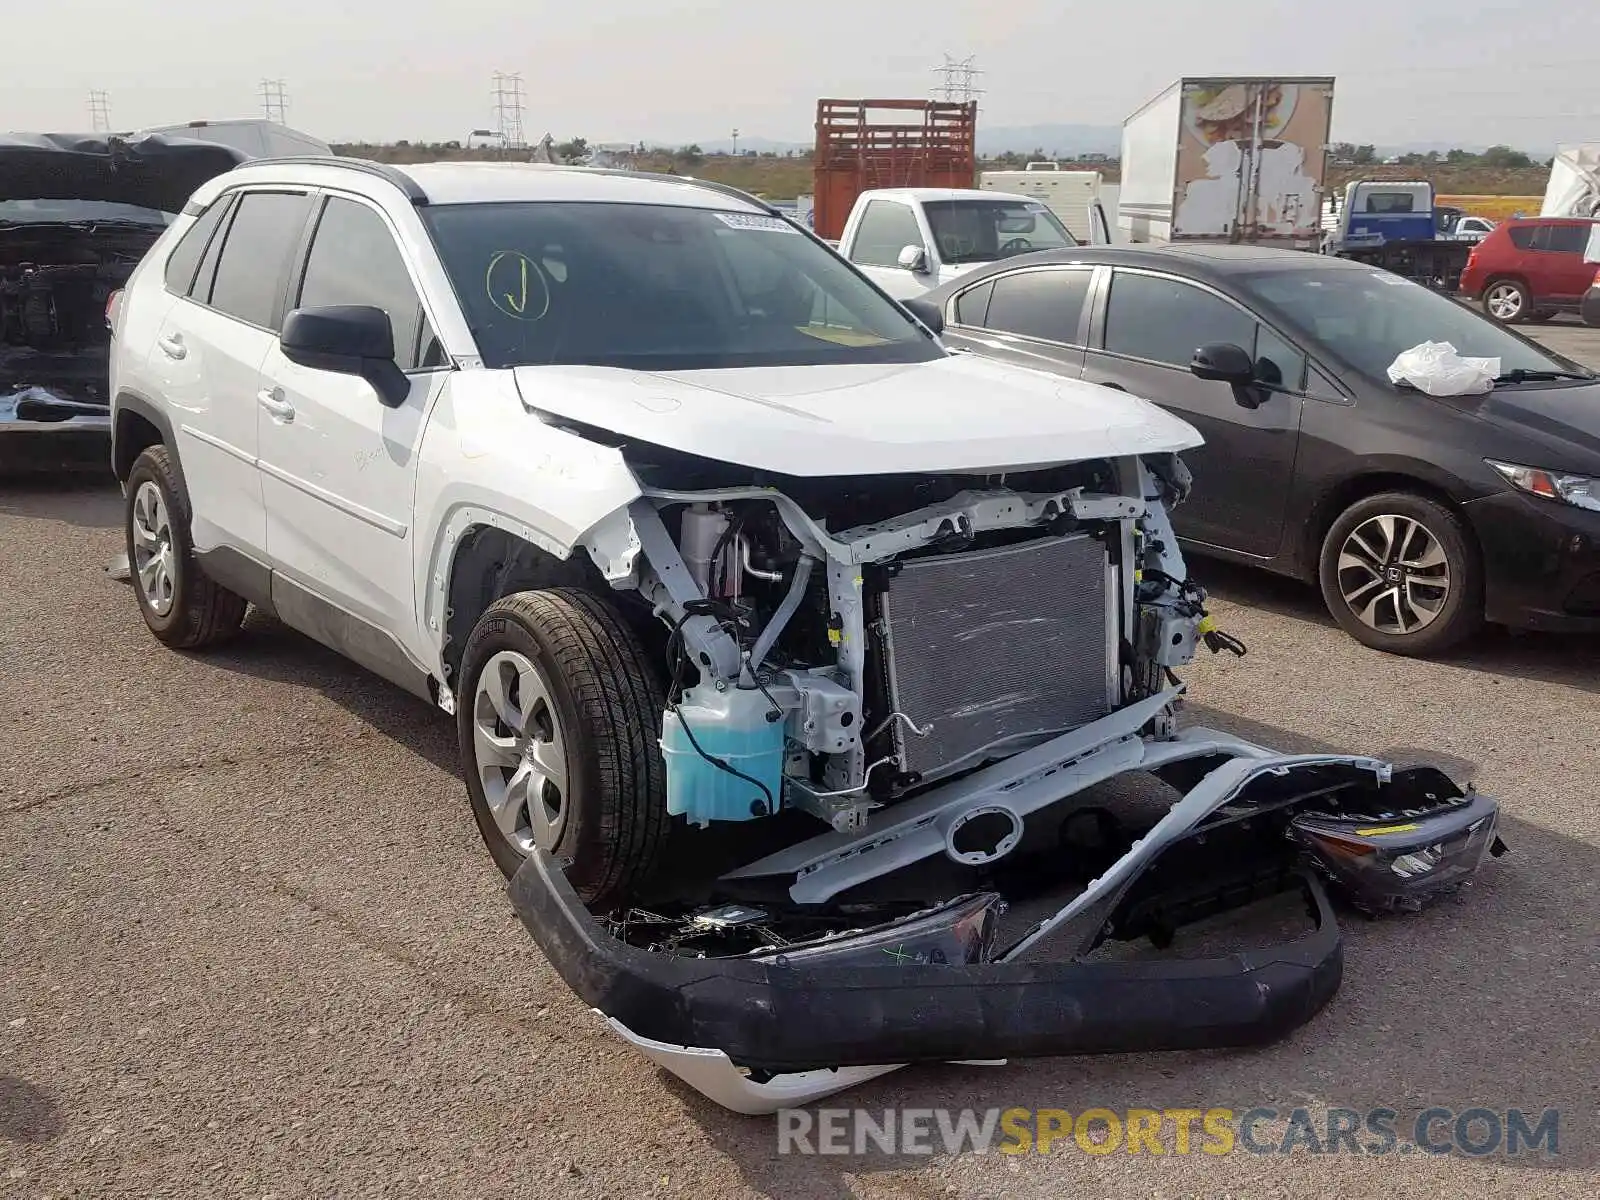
275 101
99 111
508 105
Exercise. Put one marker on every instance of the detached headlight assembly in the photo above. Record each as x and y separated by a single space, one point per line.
1582 491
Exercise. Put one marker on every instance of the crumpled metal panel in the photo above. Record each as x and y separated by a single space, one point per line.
990 648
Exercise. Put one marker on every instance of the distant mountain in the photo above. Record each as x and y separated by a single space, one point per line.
1057 141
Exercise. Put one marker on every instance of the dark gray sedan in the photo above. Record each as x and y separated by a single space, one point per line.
1419 517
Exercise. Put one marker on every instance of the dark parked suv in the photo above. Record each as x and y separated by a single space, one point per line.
1529 270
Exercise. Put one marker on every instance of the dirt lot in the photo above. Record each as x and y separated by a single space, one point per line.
250 945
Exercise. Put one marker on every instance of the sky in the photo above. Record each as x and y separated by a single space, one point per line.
1449 71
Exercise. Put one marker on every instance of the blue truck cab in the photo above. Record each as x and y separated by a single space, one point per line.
1376 212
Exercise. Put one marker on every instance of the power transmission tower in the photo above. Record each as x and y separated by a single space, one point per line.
274 101
508 105
99 111
957 77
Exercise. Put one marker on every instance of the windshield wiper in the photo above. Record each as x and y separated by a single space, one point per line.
1523 375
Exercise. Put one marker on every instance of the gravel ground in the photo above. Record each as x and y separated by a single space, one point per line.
250 945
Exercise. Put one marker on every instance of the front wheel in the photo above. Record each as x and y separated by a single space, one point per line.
1400 573
1506 301
558 719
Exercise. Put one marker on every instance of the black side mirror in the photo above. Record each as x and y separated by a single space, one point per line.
1223 362
926 311
348 339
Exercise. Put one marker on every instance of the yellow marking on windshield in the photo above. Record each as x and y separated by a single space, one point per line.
507 281
841 337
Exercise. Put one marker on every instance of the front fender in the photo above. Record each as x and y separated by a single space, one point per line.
485 460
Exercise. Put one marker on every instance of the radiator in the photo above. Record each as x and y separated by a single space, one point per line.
997 649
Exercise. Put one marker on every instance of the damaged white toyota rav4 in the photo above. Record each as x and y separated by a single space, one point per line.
786 648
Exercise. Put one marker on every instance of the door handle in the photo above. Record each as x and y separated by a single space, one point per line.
172 345
277 407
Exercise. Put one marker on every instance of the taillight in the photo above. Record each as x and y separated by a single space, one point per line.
113 309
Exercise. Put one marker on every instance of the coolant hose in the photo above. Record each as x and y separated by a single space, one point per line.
781 618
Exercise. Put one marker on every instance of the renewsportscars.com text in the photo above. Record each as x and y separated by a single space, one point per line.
1475 1132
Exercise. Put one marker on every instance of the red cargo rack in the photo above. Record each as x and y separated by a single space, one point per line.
914 143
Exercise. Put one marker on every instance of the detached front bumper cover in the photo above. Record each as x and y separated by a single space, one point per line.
781 1017
763 1030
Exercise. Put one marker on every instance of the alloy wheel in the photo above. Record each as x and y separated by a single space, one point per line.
1394 574
1504 301
520 752
152 549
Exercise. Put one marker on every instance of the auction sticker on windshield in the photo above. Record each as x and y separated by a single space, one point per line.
753 221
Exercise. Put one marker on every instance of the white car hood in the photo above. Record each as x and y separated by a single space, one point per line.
956 413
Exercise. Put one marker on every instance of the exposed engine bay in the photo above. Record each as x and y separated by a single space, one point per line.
55 281
902 693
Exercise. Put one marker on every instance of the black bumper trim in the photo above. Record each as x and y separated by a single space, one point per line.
782 1018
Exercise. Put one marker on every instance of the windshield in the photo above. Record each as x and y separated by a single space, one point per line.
659 288
1368 317
980 231
55 212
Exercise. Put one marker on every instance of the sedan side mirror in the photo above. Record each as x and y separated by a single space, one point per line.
1223 362
347 339
926 311
914 259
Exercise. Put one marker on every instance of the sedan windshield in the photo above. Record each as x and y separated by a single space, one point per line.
980 231
1368 317
654 287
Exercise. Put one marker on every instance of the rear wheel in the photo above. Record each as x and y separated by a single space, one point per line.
180 603
1400 573
558 720
1506 301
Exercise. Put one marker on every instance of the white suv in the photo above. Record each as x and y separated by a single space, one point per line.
688 523
594 462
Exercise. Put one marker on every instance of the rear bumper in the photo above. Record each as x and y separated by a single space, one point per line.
784 1019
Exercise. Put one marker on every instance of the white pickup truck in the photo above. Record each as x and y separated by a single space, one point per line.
911 240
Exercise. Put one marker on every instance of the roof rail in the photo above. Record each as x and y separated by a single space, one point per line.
385 171
727 189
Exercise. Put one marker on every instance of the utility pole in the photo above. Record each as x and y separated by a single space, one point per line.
508 105
274 101
99 111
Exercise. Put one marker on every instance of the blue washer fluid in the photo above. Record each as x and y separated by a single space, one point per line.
732 726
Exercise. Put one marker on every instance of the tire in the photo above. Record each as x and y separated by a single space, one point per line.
1439 618
183 606
1507 301
594 704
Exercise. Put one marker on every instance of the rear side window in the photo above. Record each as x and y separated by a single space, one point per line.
184 260
261 241
973 304
1562 239
1039 304
354 260
1166 320
886 229
1522 237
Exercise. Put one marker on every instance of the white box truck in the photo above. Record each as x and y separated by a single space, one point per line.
1238 159
1074 196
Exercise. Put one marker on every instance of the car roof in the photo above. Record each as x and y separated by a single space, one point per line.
498 182
1201 260
933 195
